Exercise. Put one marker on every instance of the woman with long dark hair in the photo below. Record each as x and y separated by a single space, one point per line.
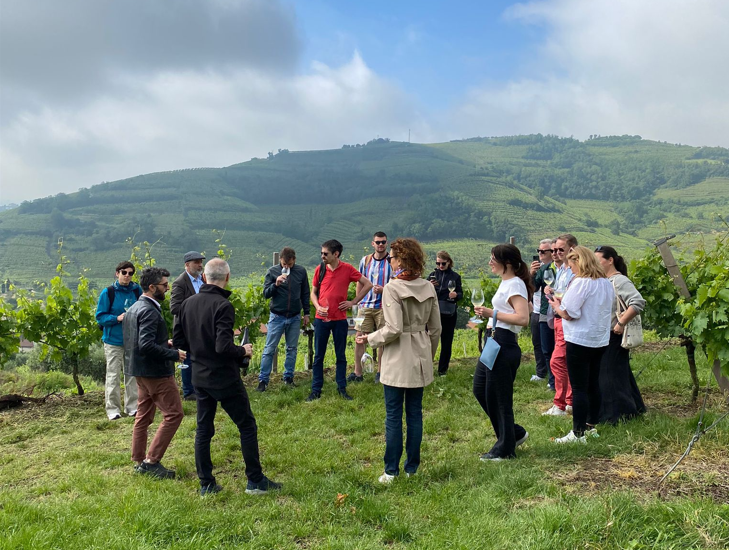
619 391
494 388
585 309
447 284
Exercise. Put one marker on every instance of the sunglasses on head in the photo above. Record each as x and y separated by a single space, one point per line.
544 251
126 271
559 250
441 263
598 249
380 242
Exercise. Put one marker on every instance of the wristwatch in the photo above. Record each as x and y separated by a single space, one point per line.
621 324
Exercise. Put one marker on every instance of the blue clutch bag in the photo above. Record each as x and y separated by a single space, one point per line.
491 348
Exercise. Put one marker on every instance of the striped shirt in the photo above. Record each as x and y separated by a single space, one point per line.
378 272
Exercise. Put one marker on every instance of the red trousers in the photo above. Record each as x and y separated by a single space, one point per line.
558 364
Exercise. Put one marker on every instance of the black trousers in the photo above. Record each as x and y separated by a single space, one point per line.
494 391
583 367
448 324
234 401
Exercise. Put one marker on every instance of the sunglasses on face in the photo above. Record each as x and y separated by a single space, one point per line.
544 251
325 253
441 263
126 272
392 258
165 285
380 242
559 250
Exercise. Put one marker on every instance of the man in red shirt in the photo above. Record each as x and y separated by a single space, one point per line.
329 296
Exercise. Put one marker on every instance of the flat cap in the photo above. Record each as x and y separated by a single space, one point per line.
192 256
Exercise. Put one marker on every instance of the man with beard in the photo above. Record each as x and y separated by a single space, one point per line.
150 358
186 285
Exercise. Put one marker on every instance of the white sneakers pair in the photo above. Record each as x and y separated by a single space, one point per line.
554 410
386 478
572 438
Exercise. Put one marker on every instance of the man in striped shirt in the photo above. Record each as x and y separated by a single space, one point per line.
376 268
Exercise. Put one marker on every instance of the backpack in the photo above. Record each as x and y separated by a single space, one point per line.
111 293
322 273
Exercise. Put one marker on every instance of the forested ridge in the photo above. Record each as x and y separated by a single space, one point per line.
457 194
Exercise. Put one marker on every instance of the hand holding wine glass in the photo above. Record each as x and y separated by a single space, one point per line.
323 309
451 288
477 299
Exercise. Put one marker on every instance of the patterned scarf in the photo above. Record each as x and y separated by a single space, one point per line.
404 275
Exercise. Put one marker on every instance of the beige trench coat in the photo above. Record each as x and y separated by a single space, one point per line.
407 357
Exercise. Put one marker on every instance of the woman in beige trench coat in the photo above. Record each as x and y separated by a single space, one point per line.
410 338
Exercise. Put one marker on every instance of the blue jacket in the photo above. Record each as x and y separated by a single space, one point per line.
124 297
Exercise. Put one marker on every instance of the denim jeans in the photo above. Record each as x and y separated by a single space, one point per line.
280 325
546 336
186 376
413 398
234 401
322 330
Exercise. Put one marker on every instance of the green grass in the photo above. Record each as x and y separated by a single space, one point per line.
66 480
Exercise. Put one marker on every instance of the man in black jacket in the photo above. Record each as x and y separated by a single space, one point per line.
186 285
205 330
289 295
149 357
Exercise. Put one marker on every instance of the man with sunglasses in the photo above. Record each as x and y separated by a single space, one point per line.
542 334
151 359
113 303
376 267
329 296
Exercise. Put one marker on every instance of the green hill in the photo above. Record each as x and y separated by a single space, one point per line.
463 196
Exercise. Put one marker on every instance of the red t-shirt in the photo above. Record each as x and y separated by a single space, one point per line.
334 288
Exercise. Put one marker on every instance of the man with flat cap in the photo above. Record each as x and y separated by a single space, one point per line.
186 285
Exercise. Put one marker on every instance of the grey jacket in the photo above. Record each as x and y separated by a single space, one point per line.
146 352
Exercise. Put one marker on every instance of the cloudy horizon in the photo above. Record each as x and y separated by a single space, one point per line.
98 90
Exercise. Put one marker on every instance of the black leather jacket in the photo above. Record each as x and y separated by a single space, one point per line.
146 352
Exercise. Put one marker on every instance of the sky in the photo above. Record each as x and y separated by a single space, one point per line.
100 90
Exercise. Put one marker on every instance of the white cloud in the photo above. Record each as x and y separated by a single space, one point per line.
650 67
188 119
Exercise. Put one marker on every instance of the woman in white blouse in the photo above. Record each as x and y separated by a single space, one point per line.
585 308
494 388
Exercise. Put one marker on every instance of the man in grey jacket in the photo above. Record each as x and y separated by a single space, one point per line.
150 358
287 285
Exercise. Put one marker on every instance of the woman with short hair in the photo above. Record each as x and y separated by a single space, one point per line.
410 338
448 304
619 391
585 309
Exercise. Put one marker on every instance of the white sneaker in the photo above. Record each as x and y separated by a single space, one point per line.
522 440
536 378
571 438
554 410
592 432
568 409
386 478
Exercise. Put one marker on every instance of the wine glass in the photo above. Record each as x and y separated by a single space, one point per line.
548 277
451 286
357 317
324 304
477 300
285 272
367 363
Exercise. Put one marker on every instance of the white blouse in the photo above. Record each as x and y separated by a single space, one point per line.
508 288
590 303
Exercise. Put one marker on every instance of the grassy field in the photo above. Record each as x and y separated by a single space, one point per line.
66 480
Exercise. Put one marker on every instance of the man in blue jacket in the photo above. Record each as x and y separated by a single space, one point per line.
114 301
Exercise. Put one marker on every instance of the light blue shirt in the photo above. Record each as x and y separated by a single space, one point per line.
563 277
196 283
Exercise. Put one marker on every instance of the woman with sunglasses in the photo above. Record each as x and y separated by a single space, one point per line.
409 337
447 285
585 309
494 388
621 397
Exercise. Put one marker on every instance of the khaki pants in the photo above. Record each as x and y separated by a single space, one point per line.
112 389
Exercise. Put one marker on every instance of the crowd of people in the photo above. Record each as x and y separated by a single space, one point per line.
576 301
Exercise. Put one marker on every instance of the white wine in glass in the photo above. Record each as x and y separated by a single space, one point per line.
549 277
477 299
285 271
451 286
357 318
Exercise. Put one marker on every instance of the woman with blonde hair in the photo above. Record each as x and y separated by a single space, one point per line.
447 284
410 338
585 308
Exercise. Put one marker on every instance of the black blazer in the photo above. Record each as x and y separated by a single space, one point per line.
146 352
182 289
205 331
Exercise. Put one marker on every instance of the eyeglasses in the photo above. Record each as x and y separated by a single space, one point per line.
325 253
559 250
492 260
126 272
390 258
381 242
544 251
166 285
441 263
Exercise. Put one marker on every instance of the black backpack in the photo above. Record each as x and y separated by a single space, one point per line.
111 293
322 272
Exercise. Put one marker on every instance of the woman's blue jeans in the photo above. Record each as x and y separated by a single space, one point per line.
413 399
